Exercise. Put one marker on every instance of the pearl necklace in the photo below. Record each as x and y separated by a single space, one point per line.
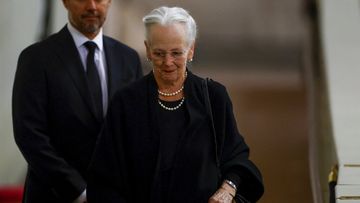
172 108
173 93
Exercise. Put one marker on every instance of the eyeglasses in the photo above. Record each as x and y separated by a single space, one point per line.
96 1
176 55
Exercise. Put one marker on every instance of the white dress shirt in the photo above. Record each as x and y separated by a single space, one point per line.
100 59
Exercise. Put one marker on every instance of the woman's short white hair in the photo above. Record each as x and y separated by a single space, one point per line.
168 16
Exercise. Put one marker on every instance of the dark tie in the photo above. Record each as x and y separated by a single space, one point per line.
93 78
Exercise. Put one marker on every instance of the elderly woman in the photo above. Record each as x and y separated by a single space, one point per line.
171 136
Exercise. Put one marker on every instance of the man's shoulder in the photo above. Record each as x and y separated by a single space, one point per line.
133 92
139 85
45 45
116 44
37 49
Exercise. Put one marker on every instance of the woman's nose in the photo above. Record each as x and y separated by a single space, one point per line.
168 59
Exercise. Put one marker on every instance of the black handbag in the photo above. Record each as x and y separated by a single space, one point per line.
238 198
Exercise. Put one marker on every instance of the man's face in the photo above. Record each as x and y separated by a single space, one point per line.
87 16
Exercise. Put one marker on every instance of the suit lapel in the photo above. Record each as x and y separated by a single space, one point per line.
70 57
117 75
113 72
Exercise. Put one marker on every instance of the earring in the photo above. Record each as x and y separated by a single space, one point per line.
190 60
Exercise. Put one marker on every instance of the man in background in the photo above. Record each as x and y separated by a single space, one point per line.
61 92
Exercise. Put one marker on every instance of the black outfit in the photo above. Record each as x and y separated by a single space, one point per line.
173 123
128 163
54 118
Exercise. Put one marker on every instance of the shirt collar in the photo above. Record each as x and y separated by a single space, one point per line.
80 39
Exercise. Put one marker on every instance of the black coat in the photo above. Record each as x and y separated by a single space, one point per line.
124 166
55 126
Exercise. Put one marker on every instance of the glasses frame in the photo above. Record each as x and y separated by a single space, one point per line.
160 55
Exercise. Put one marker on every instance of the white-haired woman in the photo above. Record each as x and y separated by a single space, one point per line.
171 136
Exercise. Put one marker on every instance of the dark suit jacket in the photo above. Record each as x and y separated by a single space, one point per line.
125 162
55 126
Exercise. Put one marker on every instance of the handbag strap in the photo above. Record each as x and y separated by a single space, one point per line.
210 114
238 197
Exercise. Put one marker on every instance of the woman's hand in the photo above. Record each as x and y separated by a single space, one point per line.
225 194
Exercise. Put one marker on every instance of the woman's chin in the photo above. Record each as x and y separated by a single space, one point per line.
169 77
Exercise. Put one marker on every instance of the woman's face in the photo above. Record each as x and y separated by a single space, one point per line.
169 51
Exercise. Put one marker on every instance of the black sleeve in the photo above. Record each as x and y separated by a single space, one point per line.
31 128
233 151
233 176
107 178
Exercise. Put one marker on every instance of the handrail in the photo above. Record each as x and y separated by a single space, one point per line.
332 180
